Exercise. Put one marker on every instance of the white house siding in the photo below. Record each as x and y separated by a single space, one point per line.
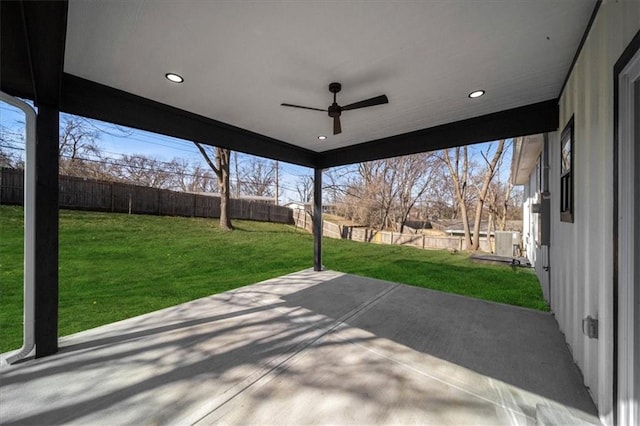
581 252
536 252
529 222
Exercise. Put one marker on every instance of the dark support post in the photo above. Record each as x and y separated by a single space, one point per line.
46 218
317 220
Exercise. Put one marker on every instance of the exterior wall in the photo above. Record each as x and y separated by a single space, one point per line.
530 219
581 252
537 253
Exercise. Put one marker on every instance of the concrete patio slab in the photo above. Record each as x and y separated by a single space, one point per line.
307 348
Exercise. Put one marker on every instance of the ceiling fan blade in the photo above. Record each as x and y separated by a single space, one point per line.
337 127
378 100
304 107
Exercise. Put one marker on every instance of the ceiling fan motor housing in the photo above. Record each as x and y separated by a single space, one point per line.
334 109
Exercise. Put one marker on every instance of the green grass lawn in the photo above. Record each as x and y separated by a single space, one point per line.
115 266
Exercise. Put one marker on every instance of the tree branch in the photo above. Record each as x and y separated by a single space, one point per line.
216 170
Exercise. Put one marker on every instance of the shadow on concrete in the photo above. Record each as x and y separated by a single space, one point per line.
184 363
516 345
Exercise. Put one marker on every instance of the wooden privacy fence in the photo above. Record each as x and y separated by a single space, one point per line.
89 194
304 220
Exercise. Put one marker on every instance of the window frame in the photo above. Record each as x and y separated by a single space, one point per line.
567 199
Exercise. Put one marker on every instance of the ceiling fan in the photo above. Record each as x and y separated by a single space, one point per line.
335 110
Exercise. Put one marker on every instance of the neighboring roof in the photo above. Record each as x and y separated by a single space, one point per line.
294 204
107 60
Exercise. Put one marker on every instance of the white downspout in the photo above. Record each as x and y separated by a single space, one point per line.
29 228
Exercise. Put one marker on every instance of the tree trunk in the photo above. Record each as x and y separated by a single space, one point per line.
505 205
460 186
465 225
490 227
488 176
221 169
222 158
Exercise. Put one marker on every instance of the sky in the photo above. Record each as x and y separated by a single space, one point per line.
163 148
166 148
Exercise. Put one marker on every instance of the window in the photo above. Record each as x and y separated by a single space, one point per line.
566 173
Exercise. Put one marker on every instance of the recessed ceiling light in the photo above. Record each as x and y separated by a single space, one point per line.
476 94
322 138
174 77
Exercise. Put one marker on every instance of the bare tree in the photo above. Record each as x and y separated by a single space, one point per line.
140 169
499 200
382 193
79 149
11 145
335 183
488 175
221 170
457 161
502 201
10 159
414 179
460 172
77 146
440 200
189 177
258 177
304 188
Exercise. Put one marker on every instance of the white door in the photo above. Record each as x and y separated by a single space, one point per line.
628 243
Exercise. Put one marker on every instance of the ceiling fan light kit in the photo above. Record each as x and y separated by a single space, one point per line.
335 111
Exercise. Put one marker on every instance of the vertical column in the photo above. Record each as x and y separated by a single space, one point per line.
46 231
317 220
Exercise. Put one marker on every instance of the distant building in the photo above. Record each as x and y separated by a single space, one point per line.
308 207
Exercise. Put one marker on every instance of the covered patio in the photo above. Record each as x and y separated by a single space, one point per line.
236 64
309 348
317 346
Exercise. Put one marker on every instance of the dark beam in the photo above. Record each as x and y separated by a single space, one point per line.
15 68
46 30
39 47
32 49
93 100
317 220
46 217
526 120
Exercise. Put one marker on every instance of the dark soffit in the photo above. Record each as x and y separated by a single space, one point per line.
15 68
527 120
93 100
32 46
